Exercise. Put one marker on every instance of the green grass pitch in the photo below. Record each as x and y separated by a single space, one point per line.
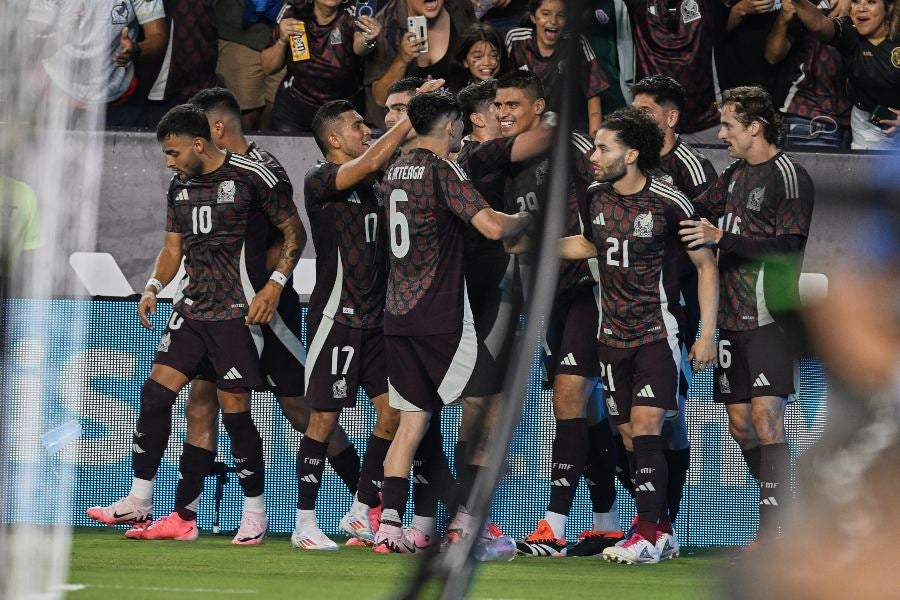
106 565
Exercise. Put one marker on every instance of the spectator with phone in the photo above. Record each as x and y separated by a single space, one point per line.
322 44
401 53
817 109
869 43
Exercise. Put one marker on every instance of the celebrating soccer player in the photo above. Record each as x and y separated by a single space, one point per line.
763 202
430 341
634 231
213 200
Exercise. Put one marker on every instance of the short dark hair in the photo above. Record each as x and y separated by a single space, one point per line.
426 110
637 130
327 115
523 80
184 119
663 89
753 103
478 32
407 85
473 97
217 98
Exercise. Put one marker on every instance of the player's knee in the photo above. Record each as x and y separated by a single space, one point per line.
296 411
742 433
156 398
322 423
387 423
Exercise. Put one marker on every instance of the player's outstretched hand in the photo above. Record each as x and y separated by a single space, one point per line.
430 86
147 306
699 233
263 306
703 354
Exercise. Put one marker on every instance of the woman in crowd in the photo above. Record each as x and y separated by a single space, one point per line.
543 48
816 109
481 55
400 53
869 43
322 43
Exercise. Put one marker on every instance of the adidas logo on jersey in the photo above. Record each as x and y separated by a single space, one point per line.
354 198
645 487
182 196
646 392
599 220
309 478
770 501
233 374
569 360
761 381
562 482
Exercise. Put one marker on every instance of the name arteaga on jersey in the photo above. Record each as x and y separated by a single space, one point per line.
406 172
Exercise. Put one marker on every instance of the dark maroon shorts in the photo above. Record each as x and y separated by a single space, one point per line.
342 359
571 346
283 355
753 364
225 349
643 376
426 372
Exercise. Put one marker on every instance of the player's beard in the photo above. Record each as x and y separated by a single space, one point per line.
612 173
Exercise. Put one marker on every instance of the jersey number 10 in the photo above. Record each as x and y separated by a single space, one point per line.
201 218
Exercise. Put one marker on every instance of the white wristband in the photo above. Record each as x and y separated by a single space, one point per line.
278 278
156 283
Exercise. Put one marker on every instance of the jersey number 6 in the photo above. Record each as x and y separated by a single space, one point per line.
399 225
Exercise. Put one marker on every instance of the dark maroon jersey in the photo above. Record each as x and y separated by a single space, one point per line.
485 164
427 201
349 235
816 80
524 54
873 70
636 237
758 202
194 47
687 170
333 71
214 213
679 44
526 190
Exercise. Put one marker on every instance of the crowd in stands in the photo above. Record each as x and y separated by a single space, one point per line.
832 68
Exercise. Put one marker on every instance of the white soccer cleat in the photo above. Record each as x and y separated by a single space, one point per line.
252 530
388 540
127 511
310 537
356 524
667 545
632 550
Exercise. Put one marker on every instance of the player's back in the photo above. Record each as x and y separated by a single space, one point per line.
427 200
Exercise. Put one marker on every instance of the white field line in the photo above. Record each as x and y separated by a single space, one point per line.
75 587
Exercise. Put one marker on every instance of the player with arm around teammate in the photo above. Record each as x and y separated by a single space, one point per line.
634 232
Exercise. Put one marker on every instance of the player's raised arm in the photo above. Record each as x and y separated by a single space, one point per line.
500 226
167 264
704 349
576 247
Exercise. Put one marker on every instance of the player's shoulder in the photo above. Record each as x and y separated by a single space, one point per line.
669 194
790 173
269 160
252 169
445 167
581 141
518 36
322 170
688 155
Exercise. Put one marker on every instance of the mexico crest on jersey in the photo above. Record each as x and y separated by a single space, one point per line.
336 39
895 57
690 11
643 225
226 192
755 198
611 406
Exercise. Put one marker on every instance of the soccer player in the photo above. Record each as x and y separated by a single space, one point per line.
763 202
691 173
570 358
634 230
399 95
213 200
346 348
430 342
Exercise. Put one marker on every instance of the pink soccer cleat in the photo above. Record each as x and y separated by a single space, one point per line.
170 527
